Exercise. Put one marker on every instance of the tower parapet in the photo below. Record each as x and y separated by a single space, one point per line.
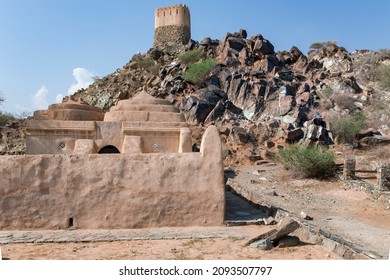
172 28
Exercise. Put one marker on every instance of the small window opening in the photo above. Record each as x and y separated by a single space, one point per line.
61 146
164 14
70 222
177 11
170 13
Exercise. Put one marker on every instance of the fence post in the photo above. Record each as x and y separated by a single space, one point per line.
349 167
384 177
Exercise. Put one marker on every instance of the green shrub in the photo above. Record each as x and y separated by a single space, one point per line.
190 57
149 64
345 129
5 117
308 161
381 74
197 72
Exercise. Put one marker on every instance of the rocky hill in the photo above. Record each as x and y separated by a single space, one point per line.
258 98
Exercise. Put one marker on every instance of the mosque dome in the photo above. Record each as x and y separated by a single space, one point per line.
70 110
145 108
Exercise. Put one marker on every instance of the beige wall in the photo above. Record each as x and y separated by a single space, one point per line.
173 15
114 191
59 137
56 137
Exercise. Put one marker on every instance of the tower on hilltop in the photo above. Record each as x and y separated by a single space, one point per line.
172 28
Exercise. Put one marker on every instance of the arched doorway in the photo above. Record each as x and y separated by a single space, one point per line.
109 150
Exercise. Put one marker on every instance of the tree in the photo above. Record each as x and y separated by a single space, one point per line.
321 45
1 97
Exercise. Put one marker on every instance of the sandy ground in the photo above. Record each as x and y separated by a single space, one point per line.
358 216
195 249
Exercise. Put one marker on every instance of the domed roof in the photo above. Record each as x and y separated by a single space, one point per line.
144 108
71 110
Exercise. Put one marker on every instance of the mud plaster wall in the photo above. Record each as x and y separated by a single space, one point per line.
172 15
114 191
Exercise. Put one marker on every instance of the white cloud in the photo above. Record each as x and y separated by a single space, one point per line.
22 111
39 101
59 98
83 79
39 98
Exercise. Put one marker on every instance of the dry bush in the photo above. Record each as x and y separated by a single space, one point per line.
326 96
381 74
308 162
322 45
379 152
190 57
148 64
346 128
345 101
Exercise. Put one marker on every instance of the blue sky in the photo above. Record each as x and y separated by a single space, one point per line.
49 48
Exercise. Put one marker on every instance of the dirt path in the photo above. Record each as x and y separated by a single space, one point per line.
227 248
355 215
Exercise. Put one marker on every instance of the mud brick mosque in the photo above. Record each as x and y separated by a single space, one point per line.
131 167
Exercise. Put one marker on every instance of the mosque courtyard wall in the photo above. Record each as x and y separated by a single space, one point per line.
107 191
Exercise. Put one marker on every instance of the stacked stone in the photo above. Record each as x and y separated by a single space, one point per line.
171 38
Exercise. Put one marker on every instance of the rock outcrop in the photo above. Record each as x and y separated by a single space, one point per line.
255 91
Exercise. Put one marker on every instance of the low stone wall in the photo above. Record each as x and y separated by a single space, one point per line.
114 190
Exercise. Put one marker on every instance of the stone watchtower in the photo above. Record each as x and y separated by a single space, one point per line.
172 28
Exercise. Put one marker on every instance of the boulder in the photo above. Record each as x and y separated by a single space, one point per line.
262 244
216 113
241 33
207 96
195 110
239 135
237 44
285 104
277 236
268 63
206 41
232 108
263 47
286 75
285 227
155 53
295 54
295 135
217 91
288 241
374 140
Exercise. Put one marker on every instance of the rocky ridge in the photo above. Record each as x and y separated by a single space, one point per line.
257 97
